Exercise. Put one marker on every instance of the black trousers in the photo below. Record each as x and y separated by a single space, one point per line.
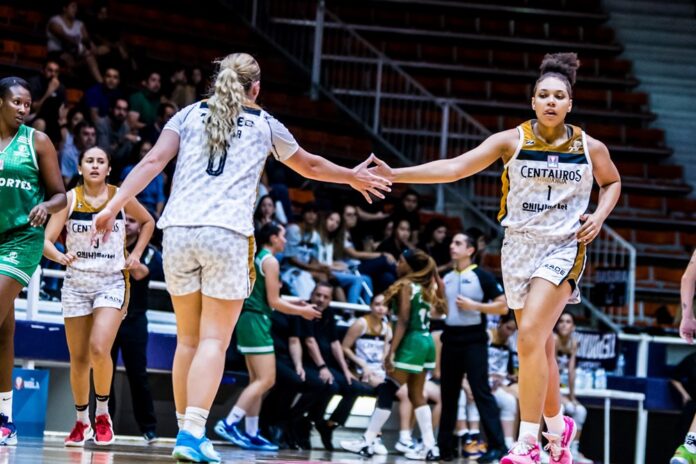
276 408
132 341
466 352
349 393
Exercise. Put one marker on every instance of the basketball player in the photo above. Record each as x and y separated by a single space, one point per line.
254 341
95 289
547 180
30 189
208 248
686 453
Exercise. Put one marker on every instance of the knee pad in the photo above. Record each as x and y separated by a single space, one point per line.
507 404
386 392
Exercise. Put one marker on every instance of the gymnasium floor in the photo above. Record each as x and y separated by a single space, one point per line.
52 451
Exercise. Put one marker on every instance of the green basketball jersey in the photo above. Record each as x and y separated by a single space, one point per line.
419 319
20 184
257 300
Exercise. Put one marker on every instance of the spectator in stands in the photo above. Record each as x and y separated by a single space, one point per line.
115 137
410 355
199 83
67 121
181 93
400 239
566 350
255 343
217 189
325 361
276 177
482 241
357 288
85 137
555 233
131 339
95 293
408 208
23 212
152 197
379 266
68 40
145 102
151 132
101 97
265 213
302 267
472 293
47 95
106 35
434 242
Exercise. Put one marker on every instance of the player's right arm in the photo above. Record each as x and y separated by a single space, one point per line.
53 228
153 163
467 164
271 270
349 340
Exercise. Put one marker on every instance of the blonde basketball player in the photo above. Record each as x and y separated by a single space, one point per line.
95 289
222 144
547 180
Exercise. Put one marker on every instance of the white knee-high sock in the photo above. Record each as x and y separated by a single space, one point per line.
425 422
377 421
251 425
529 428
180 420
555 424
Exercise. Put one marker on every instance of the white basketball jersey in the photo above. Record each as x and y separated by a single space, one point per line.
221 190
98 256
546 188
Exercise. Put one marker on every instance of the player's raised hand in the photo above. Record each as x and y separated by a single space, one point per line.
367 182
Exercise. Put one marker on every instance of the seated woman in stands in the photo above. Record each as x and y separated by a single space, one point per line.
95 289
254 341
356 287
566 350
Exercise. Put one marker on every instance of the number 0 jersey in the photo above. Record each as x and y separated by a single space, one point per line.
221 190
546 188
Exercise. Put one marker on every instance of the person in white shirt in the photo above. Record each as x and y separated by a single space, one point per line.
222 144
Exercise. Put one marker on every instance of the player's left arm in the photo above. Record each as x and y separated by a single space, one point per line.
609 181
51 178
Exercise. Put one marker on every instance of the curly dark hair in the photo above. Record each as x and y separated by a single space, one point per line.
563 66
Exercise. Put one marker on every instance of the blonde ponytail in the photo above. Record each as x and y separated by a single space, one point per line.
237 72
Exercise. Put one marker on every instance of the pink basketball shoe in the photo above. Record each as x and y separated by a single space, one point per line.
559 445
525 451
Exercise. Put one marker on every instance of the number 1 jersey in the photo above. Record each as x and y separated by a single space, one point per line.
546 188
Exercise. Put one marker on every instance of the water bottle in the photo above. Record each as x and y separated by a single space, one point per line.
579 378
564 378
600 381
620 365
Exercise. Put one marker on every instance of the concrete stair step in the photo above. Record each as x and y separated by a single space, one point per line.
668 38
679 9
663 53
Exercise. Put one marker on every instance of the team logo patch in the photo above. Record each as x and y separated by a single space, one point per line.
552 161
11 258
22 151
529 142
576 147
22 139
